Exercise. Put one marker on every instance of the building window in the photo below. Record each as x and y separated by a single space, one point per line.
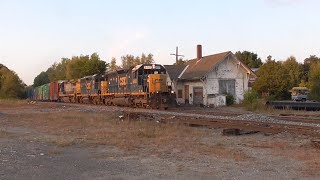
179 93
227 87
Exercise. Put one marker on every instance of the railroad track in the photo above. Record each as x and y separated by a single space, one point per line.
269 128
298 119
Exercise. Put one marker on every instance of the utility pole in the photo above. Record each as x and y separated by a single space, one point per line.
177 55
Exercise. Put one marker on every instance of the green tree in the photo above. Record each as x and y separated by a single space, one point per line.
95 65
146 59
129 61
272 79
11 86
57 71
76 67
314 81
308 62
249 58
180 62
41 79
294 71
113 64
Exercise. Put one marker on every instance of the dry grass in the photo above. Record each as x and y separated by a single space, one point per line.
5 134
17 104
62 141
307 153
5 103
55 152
71 128
293 112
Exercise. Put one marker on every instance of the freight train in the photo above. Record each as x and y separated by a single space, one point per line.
141 86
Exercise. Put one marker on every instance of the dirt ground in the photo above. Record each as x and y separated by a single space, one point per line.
64 141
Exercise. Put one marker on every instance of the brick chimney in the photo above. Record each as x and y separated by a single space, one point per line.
199 52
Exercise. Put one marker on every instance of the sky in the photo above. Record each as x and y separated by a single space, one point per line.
36 33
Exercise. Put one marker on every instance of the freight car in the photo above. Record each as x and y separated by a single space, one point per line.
141 86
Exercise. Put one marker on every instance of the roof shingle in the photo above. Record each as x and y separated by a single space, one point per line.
174 70
197 69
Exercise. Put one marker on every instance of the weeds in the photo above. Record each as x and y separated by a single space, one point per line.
70 128
252 102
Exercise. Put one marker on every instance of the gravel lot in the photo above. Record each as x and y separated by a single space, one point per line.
27 151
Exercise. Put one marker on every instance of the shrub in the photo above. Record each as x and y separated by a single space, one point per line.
229 99
252 101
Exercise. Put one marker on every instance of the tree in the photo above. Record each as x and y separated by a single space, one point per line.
11 86
314 81
57 71
113 65
146 59
294 71
95 65
41 79
272 79
130 61
76 67
180 62
308 62
249 58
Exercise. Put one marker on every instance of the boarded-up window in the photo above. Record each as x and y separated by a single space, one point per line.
180 93
227 87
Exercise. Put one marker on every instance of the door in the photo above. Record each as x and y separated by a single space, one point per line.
197 95
186 94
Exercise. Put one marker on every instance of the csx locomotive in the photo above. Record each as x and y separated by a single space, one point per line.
141 86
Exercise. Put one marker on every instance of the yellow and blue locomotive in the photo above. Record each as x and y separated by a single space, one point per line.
141 86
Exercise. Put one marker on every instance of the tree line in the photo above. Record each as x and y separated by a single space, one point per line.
275 77
84 65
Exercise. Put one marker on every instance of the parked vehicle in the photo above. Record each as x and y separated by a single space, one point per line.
300 94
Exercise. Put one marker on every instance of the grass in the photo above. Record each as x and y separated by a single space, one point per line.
133 134
62 141
10 100
5 134
306 153
13 103
138 134
55 152
258 106
273 111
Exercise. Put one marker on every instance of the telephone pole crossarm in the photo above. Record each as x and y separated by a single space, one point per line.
177 54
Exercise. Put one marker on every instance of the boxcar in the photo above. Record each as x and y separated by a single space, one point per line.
46 92
39 93
54 91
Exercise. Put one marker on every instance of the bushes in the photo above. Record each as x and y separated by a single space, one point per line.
252 101
229 99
